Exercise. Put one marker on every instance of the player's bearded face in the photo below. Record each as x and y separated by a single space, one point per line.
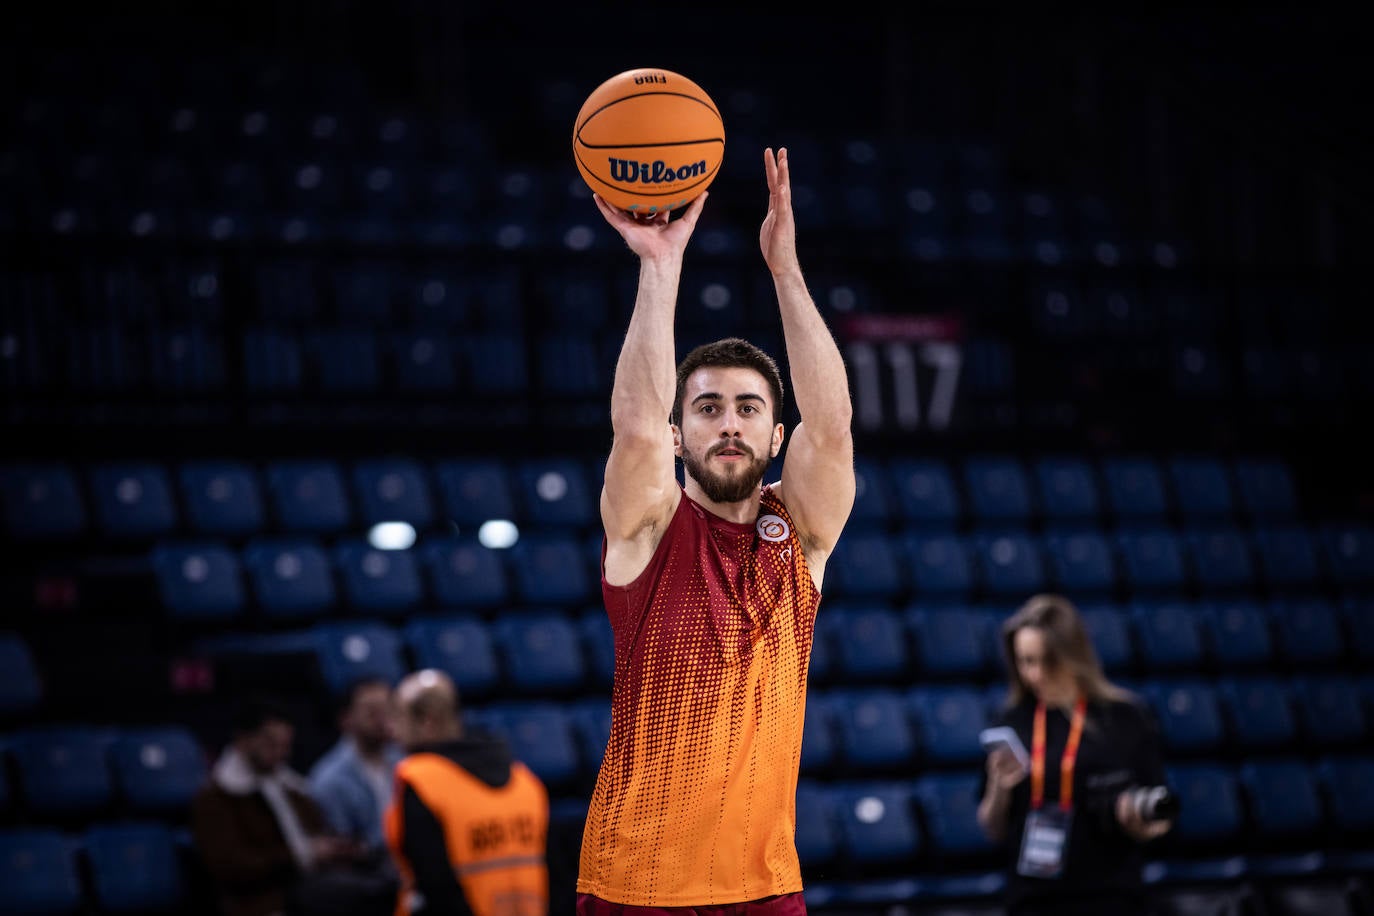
722 481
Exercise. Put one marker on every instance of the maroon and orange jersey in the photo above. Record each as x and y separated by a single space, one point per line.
695 802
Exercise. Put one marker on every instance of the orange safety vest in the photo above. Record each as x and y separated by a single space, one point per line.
496 836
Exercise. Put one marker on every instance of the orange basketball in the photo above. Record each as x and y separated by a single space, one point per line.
648 140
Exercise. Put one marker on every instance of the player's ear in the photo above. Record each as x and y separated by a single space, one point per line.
677 440
776 445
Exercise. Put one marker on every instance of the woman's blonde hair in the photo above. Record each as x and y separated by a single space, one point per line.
1067 644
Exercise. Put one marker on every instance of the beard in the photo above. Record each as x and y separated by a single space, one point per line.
726 488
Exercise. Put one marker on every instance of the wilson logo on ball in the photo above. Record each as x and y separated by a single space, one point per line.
648 141
657 172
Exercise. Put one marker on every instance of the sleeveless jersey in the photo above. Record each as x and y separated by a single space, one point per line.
695 802
496 835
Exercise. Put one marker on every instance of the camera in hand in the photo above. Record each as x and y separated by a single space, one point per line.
1154 803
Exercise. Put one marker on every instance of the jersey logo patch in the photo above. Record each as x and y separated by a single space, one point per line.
772 528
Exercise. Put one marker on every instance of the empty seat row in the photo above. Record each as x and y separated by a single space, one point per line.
1087 560
539 653
862 642
294 577
1263 806
137 867
876 730
231 497
76 771
236 498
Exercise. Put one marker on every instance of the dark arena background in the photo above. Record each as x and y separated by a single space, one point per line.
274 275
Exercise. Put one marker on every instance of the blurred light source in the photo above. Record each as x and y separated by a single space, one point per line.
498 534
391 536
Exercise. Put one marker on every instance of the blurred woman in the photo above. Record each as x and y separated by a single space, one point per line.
1075 813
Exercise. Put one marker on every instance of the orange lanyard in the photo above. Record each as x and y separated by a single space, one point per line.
1066 762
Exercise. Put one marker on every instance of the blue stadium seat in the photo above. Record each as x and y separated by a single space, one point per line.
867 565
926 493
540 651
351 650
1152 559
550 568
1345 780
1210 813
1220 558
21 689
1237 633
1331 709
464 573
496 362
999 489
1189 715
591 720
949 803
384 581
1349 552
222 497
199 581
309 496
1135 488
1265 487
1203 487
1081 563
949 640
62 771
291 577
570 365
558 492
1168 635
393 490
42 501
135 867
939 562
869 641
1284 801
460 646
598 645
878 824
543 737
157 770
874 730
1358 614
343 361
947 720
873 498
819 750
817 838
133 499
1009 563
423 362
1260 712
476 490
1307 631
1109 629
1068 488
1287 555
38 871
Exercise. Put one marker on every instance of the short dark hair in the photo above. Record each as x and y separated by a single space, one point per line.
729 353
253 712
345 699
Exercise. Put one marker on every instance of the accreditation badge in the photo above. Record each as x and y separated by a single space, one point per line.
1044 843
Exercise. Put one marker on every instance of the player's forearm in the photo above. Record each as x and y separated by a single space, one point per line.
642 395
819 381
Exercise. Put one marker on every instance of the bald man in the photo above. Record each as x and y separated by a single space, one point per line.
468 825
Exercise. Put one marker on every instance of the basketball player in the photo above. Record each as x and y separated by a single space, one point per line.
712 588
